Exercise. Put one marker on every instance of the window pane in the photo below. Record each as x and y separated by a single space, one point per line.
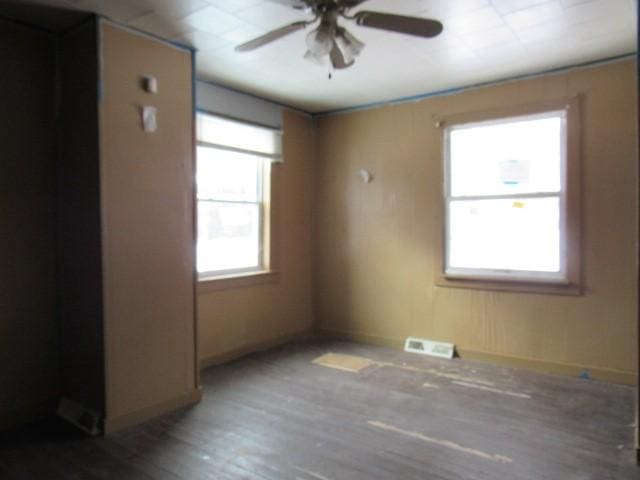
507 158
228 236
514 234
225 132
223 175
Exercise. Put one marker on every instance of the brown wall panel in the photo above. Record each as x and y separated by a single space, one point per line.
147 220
28 324
377 254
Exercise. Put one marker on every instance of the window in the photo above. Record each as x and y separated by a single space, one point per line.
510 211
233 191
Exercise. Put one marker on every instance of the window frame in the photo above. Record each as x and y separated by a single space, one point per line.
265 271
568 281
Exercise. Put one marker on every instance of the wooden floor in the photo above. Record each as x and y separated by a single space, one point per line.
374 414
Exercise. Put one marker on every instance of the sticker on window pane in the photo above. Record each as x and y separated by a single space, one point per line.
228 236
514 172
505 234
520 156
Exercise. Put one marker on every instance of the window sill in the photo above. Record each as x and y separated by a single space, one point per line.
510 285
239 280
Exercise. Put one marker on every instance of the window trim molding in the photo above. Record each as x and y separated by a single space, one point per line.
237 280
275 158
571 283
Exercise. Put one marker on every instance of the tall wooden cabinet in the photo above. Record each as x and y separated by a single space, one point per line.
126 248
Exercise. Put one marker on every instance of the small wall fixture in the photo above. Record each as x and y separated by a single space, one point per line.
365 175
149 121
150 84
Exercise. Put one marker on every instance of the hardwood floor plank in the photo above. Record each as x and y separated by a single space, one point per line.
277 415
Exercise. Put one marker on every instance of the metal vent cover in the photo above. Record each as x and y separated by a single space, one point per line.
429 347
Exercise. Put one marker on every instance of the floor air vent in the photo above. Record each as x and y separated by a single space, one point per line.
82 417
429 347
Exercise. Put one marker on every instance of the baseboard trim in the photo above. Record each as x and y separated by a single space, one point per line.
558 368
252 347
130 419
80 415
361 337
566 369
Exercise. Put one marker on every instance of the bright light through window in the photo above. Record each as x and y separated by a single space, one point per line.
233 170
229 210
505 198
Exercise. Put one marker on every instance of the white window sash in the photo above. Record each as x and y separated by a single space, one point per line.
489 274
210 274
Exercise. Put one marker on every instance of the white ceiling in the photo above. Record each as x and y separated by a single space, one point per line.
483 40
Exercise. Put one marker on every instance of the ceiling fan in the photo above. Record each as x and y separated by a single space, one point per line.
332 40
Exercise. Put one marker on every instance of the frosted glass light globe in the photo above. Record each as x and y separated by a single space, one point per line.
320 41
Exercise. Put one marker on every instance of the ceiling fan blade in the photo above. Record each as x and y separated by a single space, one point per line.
421 27
352 3
338 59
298 4
271 36
302 4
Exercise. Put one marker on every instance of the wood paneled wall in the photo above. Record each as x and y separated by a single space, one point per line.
28 327
376 258
239 320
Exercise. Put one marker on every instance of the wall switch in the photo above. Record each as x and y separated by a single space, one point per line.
150 84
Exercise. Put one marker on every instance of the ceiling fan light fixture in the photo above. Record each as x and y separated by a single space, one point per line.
333 44
340 58
320 40
315 58
348 44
